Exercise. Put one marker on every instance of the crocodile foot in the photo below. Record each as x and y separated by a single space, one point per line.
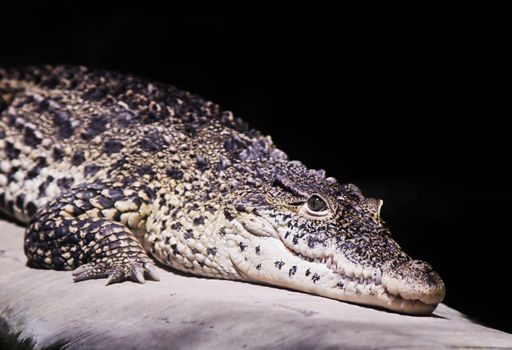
117 271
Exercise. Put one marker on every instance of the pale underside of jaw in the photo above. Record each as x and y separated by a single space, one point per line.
329 275
364 286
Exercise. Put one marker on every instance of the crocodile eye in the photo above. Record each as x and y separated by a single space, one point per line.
316 204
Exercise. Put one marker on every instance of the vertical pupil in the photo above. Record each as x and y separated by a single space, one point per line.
315 203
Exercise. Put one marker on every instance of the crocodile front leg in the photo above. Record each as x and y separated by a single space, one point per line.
91 229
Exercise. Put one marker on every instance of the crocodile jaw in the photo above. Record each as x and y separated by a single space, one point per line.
260 256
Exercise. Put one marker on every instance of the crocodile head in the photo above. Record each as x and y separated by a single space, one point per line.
306 232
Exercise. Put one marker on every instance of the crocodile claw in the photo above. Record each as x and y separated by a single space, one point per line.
116 272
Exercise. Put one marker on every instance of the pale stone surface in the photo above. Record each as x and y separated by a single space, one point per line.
182 312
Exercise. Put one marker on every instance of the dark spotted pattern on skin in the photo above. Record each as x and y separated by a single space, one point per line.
109 169
83 228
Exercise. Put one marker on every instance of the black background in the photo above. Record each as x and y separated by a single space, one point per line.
410 106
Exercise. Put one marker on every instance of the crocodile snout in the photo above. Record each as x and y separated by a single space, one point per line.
413 280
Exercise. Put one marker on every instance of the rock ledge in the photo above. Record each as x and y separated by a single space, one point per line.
46 309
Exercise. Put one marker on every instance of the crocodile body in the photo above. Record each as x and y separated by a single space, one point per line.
110 172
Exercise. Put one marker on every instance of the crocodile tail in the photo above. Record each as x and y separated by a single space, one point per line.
7 89
3 91
3 78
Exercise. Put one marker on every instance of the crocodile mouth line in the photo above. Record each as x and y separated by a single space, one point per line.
358 285
368 283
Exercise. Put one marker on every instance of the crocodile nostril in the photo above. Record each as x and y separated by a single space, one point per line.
414 280
420 265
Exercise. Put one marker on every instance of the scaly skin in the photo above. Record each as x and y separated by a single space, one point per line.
108 170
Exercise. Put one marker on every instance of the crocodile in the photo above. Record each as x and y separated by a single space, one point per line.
113 174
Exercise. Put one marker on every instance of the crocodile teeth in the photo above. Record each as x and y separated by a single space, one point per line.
378 277
351 286
349 271
351 276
